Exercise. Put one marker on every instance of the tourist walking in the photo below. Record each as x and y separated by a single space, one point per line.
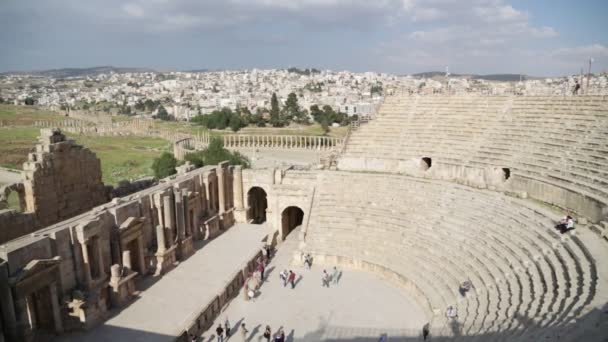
292 279
325 278
220 333
335 276
227 327
261 270
426 331
283 275
267 333
307 261
244 332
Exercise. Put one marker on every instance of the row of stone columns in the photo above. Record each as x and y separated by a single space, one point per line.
281 141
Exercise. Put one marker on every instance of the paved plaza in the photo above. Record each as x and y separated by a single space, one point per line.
360 306
162 310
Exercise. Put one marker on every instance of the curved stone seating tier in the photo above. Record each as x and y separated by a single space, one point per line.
558 141
436 235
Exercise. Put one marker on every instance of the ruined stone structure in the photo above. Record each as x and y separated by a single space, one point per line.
60 179
68 275
448 201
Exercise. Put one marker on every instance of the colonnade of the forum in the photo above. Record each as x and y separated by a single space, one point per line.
281 141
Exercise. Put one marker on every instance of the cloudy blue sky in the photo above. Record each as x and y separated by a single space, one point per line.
537 37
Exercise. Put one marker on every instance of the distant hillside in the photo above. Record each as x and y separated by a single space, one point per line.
491 77
77 72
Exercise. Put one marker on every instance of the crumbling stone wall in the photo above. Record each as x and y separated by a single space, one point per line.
62 179
14 224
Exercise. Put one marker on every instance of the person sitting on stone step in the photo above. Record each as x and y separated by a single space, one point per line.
563 223
465 287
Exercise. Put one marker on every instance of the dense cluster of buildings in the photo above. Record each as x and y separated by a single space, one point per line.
186 94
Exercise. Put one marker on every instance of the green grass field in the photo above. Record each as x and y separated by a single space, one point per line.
15 143
124 157
121 157
25 115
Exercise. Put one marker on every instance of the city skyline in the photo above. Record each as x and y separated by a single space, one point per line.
544 38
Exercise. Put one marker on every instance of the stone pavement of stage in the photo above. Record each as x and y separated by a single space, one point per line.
263 158
162 310
362 305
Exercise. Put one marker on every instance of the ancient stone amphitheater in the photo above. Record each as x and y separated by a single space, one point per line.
434 191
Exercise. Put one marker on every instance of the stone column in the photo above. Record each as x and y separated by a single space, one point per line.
86 263
7 307
238 187
179 214
186 209
102 272
142 258
56 309
160 239
126 260
158 203
169 209
30 311
221 189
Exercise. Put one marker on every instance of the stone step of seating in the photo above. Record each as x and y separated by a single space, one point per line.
552 260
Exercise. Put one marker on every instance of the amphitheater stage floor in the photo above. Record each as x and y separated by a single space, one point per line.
163 308
361 307
263 158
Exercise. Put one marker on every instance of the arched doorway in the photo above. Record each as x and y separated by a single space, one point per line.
257 203
290 218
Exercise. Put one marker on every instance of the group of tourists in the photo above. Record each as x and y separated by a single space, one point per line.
333 278
279 335
288 277
225 329
223 333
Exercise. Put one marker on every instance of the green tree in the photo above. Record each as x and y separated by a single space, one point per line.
235 122
164 166
216 153
140 106
275 119
325 125
1 99
29 101
162 114
195 159
292 110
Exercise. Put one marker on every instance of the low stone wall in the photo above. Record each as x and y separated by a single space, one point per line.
202 321
570 199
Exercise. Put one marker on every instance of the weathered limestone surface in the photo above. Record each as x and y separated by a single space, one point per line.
554 148
73 262
62 179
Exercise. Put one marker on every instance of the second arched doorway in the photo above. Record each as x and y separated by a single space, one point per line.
257 203
290 219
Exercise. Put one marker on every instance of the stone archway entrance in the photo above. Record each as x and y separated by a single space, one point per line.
290 219
258 203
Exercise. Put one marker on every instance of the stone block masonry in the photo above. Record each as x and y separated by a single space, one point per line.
62 179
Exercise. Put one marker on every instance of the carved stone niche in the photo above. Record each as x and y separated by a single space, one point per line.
91 305
131 236
36 289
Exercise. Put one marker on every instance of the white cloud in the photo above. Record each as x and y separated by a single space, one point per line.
581 52
133 10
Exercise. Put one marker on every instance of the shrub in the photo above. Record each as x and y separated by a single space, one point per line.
164 166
